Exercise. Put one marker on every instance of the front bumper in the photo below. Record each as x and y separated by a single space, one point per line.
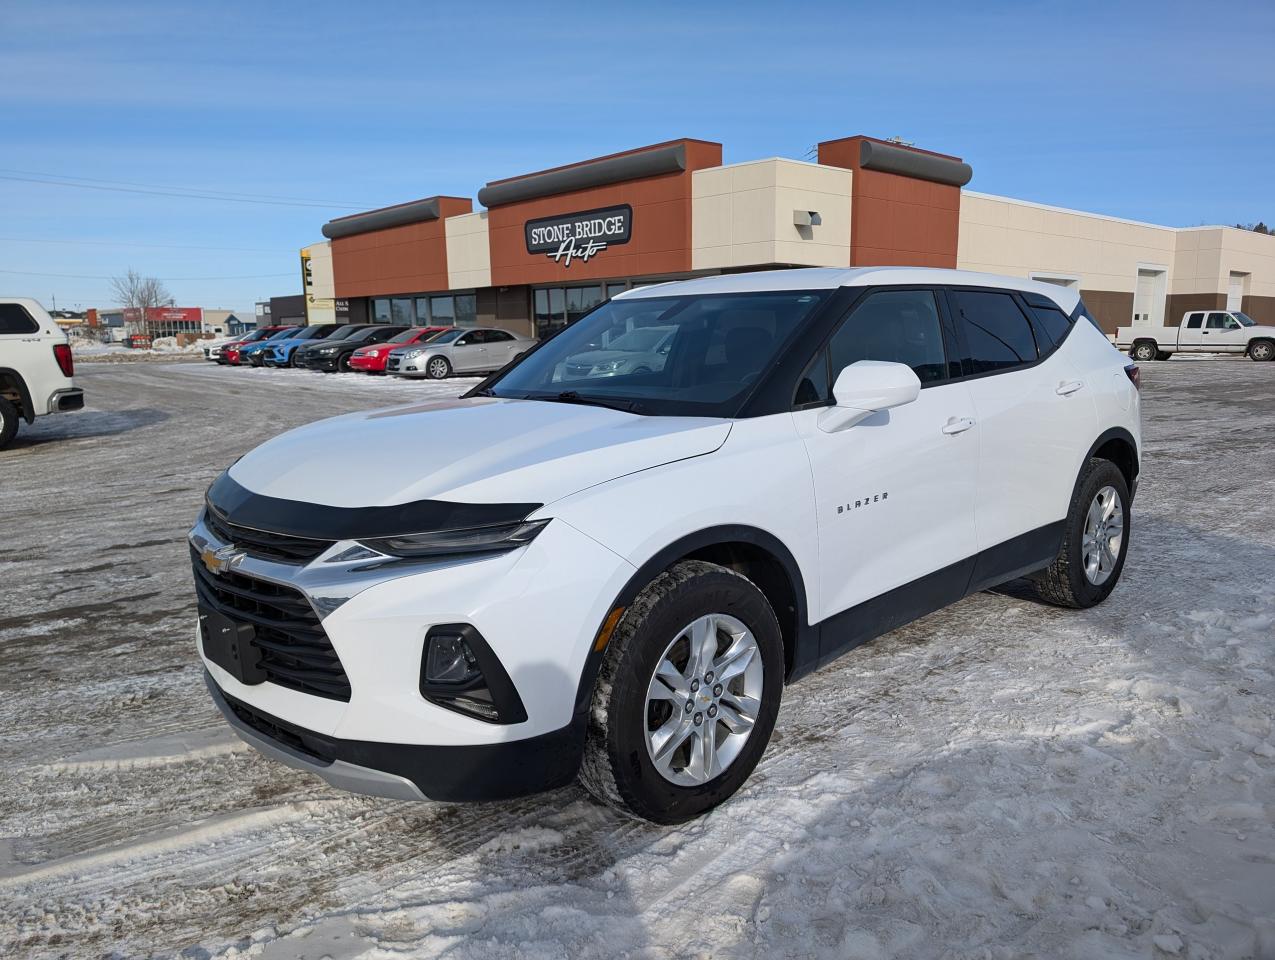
312 362
538 608
496 771
399 367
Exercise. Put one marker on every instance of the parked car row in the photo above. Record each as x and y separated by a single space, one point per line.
433 352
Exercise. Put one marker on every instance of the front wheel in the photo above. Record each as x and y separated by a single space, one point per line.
687 695
1145 351
1095 540
343 363
438 368
1261 350
8 422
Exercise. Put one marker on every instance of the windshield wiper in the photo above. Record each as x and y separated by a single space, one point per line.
571 396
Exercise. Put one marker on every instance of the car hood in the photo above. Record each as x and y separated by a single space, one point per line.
478 450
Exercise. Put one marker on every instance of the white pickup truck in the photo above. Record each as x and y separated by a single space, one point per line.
36 368
1201 331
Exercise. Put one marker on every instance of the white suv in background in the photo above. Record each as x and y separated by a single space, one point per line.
572 571
36 367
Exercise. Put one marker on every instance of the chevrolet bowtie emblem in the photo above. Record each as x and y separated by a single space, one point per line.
222 559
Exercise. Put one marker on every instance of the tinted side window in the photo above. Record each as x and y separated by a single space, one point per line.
1050 325
996 332
498 336
15 319
1194 320
898 325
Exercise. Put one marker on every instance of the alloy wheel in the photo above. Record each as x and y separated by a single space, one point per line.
703 700
438 368
1103 536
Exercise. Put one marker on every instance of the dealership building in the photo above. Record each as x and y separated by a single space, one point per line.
546 247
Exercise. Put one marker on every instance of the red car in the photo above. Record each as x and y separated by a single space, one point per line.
371 359
230 351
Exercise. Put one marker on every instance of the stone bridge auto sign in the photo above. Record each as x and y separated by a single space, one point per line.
579 236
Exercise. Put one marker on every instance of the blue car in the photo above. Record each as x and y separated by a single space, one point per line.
251 352
281 352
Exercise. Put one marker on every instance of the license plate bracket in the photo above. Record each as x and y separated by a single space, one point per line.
229 644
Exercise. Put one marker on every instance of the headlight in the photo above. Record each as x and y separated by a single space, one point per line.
325 349
410 354
611 366
447 543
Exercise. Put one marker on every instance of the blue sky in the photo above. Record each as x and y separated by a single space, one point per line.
1153 111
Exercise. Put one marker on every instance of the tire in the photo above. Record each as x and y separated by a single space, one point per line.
1261 350
618 768
438 368
8 422
292 360
1066 582
1145 350
1163 355
343 363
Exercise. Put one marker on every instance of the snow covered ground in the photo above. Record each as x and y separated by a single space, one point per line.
999 780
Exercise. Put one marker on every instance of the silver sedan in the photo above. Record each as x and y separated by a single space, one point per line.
463 350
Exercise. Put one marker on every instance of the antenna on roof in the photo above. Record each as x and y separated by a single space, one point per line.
900 141
812 153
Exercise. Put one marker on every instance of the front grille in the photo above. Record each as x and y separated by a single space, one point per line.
262 544
295 650
270 728
392 363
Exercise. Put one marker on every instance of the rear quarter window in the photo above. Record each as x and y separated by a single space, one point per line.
14 318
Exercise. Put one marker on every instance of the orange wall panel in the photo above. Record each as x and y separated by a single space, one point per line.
407 259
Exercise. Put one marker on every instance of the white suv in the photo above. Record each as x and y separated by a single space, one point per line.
570 571
36 367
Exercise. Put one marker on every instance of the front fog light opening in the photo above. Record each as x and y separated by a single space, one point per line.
460 672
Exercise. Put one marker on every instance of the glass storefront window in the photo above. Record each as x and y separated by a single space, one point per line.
422 312
613 289
442 311
466 310
380 311
580 300
401 311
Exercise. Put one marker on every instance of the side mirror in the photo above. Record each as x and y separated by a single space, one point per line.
867 387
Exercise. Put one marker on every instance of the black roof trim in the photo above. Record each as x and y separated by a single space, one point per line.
594 173
888 158
397 216
317 521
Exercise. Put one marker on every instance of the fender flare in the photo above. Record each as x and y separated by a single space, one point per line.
28 411
807 637
1264 338
1114 433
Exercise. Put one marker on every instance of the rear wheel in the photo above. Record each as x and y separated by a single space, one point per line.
1145 350
1095 540
438 368
8 422
1261 350
687 695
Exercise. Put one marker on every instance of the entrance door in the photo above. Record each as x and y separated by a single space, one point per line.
1235 292
894 492
1148 298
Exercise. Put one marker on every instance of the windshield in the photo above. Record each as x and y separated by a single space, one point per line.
254 336
340 333
284 333
312 331
1243 318
674 356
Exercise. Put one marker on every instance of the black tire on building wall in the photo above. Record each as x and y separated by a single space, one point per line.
8 422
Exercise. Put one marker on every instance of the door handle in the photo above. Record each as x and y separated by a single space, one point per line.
1068 387
955 426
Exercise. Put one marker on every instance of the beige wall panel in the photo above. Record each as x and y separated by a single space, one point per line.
468 251
742 215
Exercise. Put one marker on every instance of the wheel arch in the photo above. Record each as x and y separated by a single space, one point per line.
11 378
1118 446
756 554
